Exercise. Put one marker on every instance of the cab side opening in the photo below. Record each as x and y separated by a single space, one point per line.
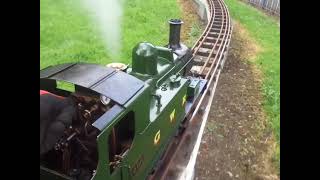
75 154
120 140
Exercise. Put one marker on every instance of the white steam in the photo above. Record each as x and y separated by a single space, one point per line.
108 15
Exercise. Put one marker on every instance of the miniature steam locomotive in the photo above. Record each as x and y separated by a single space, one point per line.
126 117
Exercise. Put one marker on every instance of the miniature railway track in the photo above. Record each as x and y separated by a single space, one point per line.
209 54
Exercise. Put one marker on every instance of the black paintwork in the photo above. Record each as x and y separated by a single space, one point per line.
174 36
116 85
107 117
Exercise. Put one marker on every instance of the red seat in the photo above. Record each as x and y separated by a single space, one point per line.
43 92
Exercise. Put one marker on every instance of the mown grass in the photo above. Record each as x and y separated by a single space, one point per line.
266 32
67 33
196 31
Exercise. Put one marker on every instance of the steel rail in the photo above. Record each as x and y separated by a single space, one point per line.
181 150
215 44
205 33
225 41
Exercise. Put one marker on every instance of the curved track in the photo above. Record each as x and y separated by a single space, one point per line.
209 55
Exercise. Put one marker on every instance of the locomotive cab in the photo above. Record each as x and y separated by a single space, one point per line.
102 122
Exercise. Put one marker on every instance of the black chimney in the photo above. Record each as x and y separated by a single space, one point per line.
174 37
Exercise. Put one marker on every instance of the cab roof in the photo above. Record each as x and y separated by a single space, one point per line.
116 85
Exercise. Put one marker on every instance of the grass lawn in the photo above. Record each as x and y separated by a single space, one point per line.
67 33
266 32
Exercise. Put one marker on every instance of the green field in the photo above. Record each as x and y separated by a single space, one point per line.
266 32
67 33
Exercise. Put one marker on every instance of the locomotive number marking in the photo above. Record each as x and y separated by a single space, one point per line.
157 138
172 115
137 165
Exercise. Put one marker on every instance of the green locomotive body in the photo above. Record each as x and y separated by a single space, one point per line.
146 105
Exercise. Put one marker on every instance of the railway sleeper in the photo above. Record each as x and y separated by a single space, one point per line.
217 6
213 40
196 71
206 51
218 14
218 26
215 21
218 23
207 45
213 34
219 19
217 30
200 60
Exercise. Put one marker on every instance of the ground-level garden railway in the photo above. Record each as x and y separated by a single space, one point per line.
209 54
139 121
